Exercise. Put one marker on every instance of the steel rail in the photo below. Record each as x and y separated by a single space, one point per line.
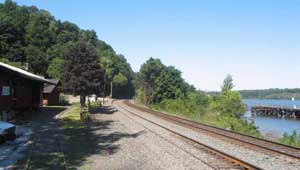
274 147
235 162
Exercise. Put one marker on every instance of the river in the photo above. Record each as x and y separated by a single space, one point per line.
270 125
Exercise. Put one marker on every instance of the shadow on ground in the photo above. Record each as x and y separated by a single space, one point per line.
83 142
77 142
103 110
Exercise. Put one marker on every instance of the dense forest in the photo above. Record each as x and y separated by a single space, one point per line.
31 38
271 94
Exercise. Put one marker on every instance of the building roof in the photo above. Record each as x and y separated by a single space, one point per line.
24 73
48 88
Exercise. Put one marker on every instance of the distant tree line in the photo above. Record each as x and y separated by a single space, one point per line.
271 94
32 38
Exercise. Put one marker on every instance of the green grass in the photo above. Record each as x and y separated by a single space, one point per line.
77 143
59 107
72 118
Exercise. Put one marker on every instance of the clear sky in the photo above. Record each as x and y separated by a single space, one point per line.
257 41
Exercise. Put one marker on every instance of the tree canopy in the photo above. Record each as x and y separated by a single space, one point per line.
120 79
82 75
158 82
227 84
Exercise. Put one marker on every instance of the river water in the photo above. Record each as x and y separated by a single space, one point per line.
270 125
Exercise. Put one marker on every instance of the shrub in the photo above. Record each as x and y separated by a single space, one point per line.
292 140
229 103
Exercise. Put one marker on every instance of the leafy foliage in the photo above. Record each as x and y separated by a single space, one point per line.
16 64
36 60
168 85
120 80
292 140
229 103
162 88
13 20
56 68
116 70
159 82
227 84
82 75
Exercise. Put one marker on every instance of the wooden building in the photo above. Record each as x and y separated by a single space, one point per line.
20 89
51 93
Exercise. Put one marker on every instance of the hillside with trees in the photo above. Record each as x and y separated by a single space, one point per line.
32 38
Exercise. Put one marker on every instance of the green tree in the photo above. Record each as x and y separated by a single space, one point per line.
67 32
168 85
56 68
229 102
12 31
227 84
83 75
89 36
148 73
120 80
40 31
37 60
115 65
157 82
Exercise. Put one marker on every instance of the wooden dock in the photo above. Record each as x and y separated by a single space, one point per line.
275 111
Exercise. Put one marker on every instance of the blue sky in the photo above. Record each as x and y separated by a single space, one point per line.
257 41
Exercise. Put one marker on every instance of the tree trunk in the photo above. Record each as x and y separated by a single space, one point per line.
111 89
103 94
82 105
82 101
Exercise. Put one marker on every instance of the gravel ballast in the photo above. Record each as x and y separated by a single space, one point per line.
263 160
142 145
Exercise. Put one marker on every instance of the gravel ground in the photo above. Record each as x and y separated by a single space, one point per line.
144 146
262 160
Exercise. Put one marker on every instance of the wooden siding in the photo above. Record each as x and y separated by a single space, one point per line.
24 93
51 98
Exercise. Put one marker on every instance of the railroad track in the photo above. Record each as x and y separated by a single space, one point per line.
218 160
250 141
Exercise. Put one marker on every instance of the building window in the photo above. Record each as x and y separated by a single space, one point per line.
5 91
